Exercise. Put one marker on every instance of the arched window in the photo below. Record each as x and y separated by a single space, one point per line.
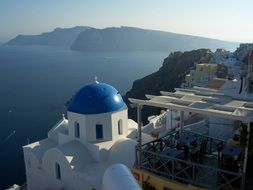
57 171
120 127
99 131
77 130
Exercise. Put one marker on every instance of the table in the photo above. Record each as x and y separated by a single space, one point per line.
231 151
187 139
229 160
172 152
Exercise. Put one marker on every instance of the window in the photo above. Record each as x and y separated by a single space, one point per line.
77 130
99 131
57 171
120 127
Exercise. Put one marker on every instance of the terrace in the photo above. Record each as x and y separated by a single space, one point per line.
194 159
190 157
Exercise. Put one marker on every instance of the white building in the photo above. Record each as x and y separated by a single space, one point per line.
199 76
78 150
227 58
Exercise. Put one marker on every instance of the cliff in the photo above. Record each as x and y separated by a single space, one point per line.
169 76
242 52
58 37
136 39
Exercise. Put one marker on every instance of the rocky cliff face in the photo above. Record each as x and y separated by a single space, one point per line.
169 76
136 39
242 52
58 37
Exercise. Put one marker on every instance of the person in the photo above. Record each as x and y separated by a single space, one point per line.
235 140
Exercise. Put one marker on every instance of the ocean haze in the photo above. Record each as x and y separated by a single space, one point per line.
215 19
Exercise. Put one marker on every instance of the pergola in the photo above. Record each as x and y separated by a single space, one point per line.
199 100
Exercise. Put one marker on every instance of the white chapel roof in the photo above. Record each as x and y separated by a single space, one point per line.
76 154
40 147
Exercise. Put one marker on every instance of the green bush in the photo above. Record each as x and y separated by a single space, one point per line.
147 186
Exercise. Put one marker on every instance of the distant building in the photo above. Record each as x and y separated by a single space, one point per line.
236 70
250 65
203 73
243 50
250 71
78 150
227 58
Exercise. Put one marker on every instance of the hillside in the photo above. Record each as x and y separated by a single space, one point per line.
58 37
169 76
134 39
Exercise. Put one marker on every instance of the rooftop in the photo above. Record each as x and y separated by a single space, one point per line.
216 83
207 102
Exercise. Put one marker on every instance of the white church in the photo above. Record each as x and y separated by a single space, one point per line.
96 134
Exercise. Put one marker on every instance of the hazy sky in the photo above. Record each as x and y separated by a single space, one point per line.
222 19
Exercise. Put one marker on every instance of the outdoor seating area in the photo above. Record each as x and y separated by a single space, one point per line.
196 159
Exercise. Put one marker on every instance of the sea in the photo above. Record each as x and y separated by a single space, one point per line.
37 81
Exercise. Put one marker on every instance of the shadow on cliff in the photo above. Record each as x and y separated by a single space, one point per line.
167 78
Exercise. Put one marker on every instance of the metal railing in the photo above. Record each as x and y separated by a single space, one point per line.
189 172
170 140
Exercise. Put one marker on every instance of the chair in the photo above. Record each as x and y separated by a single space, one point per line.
203 147
194 154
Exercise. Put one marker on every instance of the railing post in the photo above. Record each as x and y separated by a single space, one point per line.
173 169
139 152
211 142
193 173
181 122
245 155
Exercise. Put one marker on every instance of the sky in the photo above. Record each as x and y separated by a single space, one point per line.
230 20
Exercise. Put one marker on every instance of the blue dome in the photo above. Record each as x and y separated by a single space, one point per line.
96 98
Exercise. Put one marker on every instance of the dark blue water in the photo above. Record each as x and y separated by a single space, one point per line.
36 82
